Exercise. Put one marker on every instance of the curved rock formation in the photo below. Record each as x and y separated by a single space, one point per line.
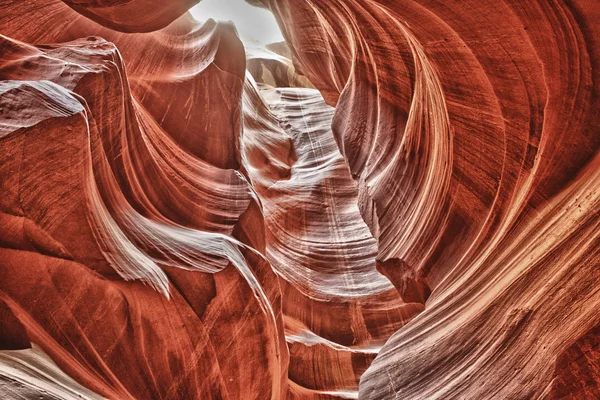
474 145
104 186
401 201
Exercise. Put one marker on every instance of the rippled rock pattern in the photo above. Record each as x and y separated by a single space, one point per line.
402 201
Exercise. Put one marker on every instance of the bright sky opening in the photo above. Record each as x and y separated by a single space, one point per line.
255 26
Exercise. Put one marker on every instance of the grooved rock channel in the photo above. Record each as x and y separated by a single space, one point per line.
399 201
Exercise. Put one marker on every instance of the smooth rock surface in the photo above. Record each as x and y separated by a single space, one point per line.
401 201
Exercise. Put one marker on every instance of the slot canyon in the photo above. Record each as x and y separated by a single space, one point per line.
325 199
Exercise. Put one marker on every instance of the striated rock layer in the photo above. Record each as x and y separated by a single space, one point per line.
472 131
402 201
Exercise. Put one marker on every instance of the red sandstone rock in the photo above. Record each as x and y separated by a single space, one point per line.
472 130
99 193
418 221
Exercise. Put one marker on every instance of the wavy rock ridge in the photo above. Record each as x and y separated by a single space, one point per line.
401 201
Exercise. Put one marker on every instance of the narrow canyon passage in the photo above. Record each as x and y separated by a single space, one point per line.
317 241
338 199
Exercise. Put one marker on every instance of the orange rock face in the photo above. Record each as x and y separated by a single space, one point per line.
400 202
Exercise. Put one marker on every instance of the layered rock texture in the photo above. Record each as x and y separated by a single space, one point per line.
402 201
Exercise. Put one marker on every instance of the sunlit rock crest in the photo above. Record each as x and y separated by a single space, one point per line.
401 201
